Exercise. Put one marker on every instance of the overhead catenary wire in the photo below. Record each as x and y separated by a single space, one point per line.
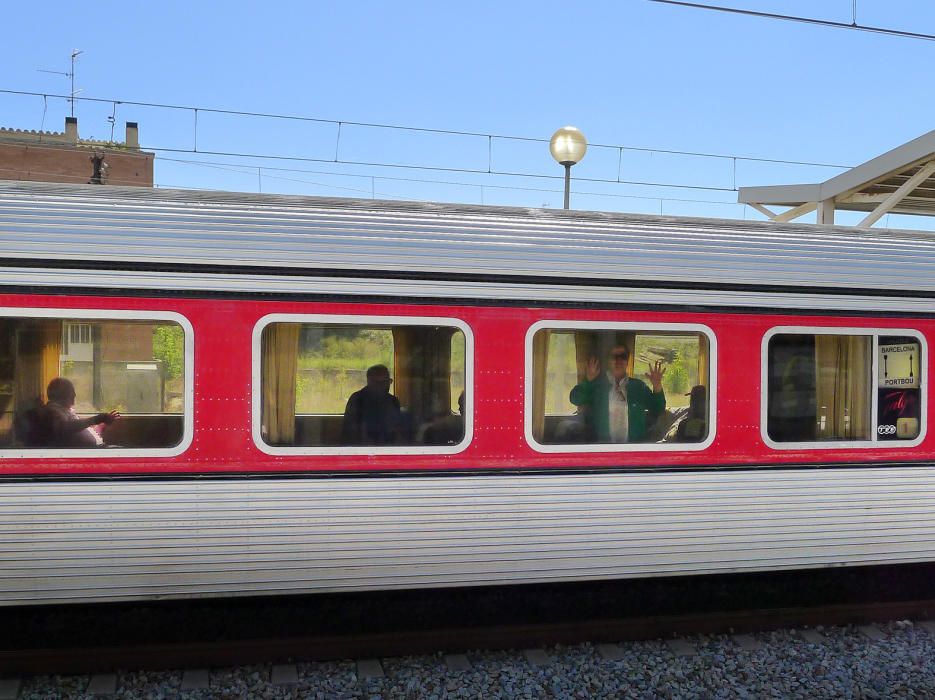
262 170
730 159
337 123
248 170
372 194
472 171
853 25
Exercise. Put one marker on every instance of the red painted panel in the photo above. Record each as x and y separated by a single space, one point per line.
223 368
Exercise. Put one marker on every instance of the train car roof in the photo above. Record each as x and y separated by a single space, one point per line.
115 227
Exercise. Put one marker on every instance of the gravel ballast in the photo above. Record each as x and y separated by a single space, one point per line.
837 662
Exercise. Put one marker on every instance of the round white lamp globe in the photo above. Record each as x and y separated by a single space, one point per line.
568 145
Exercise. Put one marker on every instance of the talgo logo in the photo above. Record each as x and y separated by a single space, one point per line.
886 429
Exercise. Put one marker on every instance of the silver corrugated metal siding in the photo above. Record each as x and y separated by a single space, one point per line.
124 540
113 225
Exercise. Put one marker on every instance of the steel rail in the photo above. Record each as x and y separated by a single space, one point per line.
320 647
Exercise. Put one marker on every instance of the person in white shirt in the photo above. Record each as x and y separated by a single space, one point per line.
60 424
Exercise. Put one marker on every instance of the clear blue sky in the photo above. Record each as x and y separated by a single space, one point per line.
629 72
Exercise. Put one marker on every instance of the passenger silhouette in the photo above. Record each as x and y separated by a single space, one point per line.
694 427
372 415
57 424
446 430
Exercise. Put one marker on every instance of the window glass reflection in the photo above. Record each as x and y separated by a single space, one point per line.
820 387
84 383
333 384
619 386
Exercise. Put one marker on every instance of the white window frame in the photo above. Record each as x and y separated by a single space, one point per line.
365 321
109 453
872 443
642 328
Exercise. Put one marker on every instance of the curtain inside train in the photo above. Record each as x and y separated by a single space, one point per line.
50 351
38 355
540 365
280 358
422 371
703 352
586 347
843 373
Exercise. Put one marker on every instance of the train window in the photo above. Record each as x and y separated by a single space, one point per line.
351 385
833 386
619 386
65 376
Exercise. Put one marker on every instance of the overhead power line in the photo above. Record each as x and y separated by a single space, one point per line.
264 169
435 168
804 20
249 170
449 132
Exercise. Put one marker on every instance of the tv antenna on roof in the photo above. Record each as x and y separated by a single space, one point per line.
71 75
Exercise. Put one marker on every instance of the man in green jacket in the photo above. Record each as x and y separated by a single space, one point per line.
618 408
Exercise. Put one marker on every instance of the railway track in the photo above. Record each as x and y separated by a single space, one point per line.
227 633
219 653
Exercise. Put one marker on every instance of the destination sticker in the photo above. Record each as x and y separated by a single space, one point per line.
899 366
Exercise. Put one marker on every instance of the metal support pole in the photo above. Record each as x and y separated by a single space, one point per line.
825 212
567 183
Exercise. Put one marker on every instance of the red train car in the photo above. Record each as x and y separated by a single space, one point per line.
326 395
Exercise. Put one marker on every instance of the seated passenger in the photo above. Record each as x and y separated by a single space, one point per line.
446 430
694 427
664 428
618 408
59 426
372 415
27 429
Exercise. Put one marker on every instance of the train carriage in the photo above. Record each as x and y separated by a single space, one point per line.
231 332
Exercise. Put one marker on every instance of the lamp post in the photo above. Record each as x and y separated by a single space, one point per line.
568 146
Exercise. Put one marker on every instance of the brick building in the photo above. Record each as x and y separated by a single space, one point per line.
47 156
111 364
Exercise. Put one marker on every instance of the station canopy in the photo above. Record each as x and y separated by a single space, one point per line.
901 181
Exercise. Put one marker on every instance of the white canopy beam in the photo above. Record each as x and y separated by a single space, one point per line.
900 181
796 212
764 211
862 198
904 190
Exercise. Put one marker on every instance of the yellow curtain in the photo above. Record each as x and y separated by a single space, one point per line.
38 352
703 360
540 365
50 351
422 371
842 366
280 349
586 347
